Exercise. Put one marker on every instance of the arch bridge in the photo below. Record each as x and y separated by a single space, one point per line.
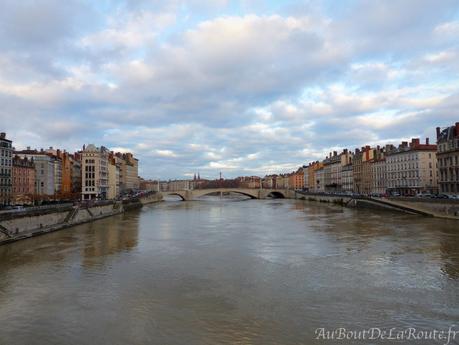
193 194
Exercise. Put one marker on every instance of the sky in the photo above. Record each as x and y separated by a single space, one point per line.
242 87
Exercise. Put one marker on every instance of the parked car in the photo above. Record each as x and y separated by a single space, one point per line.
376 195
440 196
424 195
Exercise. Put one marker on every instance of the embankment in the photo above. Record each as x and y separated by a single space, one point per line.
35 221
440 208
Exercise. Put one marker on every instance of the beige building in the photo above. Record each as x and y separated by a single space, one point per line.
319 180
129 172
448 159
347 178
306 177
270 181
95 170
379 172
367 177
175 185
113 179
282 181
412 168
310 182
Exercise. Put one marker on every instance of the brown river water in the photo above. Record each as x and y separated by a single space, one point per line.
230 271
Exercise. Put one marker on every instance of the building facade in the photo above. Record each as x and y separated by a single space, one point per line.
333 170
448 159
94 168
76 173
379 172
311 178
296 179
70 173
269 181
129 171
23 180
412 168
357 171
347 178
6 170
319 180
44 171
113 179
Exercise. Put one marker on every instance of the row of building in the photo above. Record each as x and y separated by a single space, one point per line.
94 172
407 169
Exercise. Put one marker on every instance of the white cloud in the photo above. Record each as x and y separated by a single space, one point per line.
192 86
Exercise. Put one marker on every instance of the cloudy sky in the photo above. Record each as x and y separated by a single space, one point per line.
243 87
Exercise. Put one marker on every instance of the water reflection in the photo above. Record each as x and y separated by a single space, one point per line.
102 241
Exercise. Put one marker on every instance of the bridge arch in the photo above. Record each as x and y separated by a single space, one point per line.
201 192
276 194
191 194
177 194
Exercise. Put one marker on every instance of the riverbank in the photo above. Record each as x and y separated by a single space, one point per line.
438 208
35 221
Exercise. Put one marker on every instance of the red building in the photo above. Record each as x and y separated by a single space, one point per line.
23 180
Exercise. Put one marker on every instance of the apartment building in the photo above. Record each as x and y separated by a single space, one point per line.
129 171
23 180
448 159
113 178
412 168
6 170
45 171
94 168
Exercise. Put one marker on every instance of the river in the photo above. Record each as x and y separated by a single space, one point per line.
230 271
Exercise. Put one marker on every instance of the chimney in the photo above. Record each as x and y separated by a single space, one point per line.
2 135
404 143
414 142
335 153
427 141
438 133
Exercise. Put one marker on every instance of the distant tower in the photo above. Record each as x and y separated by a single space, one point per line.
194 178
199 177
220 175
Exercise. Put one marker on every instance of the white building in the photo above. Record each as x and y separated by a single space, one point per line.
94 170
